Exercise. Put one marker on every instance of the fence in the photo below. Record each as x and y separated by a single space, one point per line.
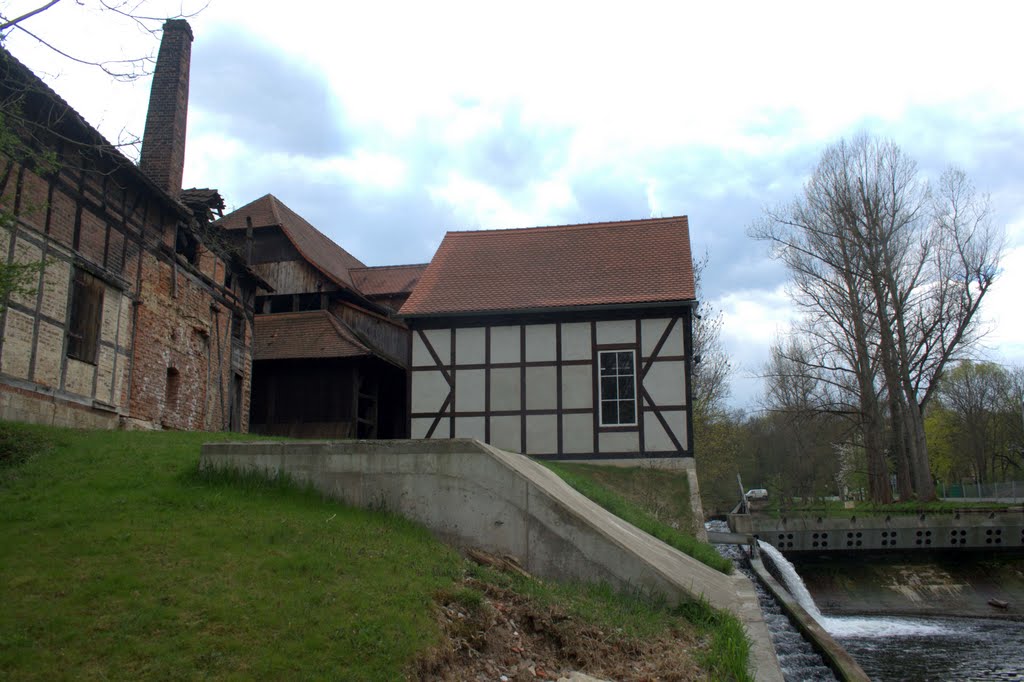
1005 490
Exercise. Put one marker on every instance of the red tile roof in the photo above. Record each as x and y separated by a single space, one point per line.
387 279
312 334
313 245
635 261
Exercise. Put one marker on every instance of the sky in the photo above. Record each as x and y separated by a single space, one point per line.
386 124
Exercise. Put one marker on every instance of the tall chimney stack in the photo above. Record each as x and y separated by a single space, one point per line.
163 145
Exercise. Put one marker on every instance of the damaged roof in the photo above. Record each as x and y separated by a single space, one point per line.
310 334
633 261
269 211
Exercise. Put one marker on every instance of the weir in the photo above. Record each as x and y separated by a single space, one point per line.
993 530
947 647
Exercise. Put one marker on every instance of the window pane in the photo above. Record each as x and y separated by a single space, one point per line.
627 412
607 363
626 387
625 362
609 412
608 385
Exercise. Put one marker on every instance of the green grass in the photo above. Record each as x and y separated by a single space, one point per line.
122 560
596 482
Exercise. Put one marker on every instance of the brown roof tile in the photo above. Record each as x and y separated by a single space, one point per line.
312 334
387 279
636 261
315 247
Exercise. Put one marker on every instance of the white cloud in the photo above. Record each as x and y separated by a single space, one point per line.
642 93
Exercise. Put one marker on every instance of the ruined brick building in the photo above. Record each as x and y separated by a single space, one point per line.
140 313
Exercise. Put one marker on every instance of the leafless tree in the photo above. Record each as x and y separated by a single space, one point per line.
889 275
712 367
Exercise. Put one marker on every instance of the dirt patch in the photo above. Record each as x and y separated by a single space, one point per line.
506 636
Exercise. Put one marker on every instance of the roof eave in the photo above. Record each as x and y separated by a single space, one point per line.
645 305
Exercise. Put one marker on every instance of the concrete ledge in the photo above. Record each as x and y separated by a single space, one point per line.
835 656
471 494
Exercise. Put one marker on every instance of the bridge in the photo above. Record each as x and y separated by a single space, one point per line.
965 529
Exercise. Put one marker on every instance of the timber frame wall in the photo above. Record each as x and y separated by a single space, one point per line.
529 382
173 333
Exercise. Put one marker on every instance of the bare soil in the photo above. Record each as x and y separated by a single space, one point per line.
508 637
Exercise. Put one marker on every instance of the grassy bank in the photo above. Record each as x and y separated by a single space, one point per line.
655 501
122 560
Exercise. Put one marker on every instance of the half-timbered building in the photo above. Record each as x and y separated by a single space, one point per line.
567 342
330 358
133 312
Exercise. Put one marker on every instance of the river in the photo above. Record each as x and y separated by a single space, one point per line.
901 649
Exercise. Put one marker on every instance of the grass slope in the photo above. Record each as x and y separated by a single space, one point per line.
655 501
121 560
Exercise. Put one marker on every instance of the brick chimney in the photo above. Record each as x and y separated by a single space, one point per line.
163 145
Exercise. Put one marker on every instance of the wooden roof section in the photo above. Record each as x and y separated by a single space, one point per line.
387 280
310 334
317 248
633 261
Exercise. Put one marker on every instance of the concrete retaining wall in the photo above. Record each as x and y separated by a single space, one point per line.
471 494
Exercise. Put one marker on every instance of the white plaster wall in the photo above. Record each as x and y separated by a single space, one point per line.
469 390
576 341
577 433
541 388
470 347
655 437
666 383
441 341
616 331
506 433
505 389
540 343
577 387
469 427
619 441
541 434
505 344
420 426
651 331
676 420
429 389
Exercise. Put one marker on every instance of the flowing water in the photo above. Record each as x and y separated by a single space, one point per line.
917 649
797 658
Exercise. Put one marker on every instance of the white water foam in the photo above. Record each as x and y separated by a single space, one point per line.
848 626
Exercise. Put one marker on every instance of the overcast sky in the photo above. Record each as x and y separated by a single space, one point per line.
385 124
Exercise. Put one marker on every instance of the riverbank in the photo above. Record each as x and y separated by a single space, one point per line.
953 583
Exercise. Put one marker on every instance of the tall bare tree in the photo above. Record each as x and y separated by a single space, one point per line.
889 274
712 366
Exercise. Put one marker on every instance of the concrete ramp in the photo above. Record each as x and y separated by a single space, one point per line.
471 494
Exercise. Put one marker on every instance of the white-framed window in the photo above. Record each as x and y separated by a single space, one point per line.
617 387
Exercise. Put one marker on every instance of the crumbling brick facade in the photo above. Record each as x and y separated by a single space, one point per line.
139 315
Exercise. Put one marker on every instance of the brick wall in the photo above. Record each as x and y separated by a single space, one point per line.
162 319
